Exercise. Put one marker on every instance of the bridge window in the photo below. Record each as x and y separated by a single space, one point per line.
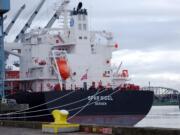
84 17
93 49
80 27
84 27
79 17
39 40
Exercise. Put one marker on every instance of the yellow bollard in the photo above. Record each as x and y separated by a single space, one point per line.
60 123
60 116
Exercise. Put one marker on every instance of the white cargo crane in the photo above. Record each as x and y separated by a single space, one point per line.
14 20
29 22
58 13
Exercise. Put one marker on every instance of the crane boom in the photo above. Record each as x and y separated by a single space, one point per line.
118 69
57 13
51 22
29 22
14 20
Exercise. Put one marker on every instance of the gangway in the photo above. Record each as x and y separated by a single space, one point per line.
14 20
29 22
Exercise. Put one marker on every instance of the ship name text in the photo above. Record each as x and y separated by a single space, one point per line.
100 98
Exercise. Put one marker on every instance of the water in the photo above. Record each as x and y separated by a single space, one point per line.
162 116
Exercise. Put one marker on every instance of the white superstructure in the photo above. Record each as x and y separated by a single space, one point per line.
88 55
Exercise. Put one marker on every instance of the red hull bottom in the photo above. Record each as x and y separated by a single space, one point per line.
117 120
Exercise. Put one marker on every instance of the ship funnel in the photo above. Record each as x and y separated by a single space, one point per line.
79 6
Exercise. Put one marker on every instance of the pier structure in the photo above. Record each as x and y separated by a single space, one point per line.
34 128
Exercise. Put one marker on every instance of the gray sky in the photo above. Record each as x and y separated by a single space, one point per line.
148 33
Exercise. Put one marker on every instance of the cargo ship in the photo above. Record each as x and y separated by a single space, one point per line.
70 68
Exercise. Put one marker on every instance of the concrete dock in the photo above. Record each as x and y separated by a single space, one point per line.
35 128
28 131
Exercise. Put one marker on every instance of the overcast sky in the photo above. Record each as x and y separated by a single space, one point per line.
148 33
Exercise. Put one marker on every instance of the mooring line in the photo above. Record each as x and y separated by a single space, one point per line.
43 115
21 111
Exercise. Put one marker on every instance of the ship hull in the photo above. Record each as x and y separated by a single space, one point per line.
108 107
179 100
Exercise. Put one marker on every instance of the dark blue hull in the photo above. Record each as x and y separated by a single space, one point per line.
179 101
110 107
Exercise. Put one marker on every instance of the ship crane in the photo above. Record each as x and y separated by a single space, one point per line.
6 32
29 22
14 20
61 9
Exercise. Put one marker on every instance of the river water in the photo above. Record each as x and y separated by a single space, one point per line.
162 116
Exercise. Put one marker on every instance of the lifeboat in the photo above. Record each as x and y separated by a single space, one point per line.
63 68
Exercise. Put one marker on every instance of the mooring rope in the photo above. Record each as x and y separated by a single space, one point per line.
88 104
25 117
16 112
71 103
43 115
52 107
92 102
83 107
